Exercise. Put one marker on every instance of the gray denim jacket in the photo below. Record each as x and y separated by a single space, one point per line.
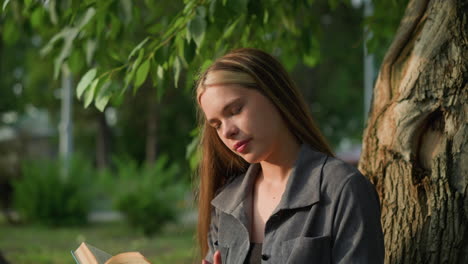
329 213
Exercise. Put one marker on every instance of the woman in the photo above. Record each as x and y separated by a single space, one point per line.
270 189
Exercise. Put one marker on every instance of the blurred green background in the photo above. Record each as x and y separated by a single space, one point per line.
97 119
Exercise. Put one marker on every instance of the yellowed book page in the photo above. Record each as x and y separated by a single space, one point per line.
128 258
84 255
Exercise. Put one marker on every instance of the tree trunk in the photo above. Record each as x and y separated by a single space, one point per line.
152 126
415 147
103 141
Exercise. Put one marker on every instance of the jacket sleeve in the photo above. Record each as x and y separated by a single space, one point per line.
357 230
212 236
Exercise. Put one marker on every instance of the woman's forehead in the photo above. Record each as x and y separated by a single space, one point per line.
223 92
216 97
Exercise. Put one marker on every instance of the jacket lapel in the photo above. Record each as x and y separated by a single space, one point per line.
303 186
235 198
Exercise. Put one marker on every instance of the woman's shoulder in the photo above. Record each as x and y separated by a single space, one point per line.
231 182
339 168
338 174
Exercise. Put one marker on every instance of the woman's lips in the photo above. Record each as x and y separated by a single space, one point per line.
240 146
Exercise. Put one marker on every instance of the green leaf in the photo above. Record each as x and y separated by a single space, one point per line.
127 80
212 10
177 70
189 6
104 95
37 17
160 72
161 85
114 54
90 12
127 7
154 73
196 29
11 34
141 74
114 27
69 35
90 49
85 81
231 28
266 15
50 45
129 76
193 145
179 22
180 46
138 47
205 65
89 96
76 61
138 60
5 4
312 57
52 12
289 62
310 60
188 35
201 11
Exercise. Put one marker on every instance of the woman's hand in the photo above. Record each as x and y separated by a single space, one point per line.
216 258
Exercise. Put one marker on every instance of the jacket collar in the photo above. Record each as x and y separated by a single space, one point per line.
302 188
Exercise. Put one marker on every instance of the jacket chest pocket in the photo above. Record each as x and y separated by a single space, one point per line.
306 250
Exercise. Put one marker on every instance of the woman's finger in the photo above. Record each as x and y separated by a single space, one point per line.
217 257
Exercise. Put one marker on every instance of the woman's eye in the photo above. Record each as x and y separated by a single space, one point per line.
236 110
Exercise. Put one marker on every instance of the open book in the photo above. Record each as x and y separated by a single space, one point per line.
87 254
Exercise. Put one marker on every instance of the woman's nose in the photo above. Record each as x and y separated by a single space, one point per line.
230 130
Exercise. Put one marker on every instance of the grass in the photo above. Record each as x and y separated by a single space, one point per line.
26 244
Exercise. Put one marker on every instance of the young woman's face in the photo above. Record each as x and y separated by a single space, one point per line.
245 120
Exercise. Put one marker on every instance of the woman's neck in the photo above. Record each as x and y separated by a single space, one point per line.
281 161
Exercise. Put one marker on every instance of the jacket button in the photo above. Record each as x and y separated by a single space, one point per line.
265 257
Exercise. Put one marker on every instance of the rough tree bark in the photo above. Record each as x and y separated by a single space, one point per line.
415 147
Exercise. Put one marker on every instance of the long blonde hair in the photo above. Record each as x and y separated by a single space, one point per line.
255 69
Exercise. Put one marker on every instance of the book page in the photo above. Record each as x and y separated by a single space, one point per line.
128 258
87 254
101 256
83 255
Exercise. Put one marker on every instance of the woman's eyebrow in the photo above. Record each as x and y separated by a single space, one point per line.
227 106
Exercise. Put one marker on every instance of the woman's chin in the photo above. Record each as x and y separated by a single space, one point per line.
251 158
